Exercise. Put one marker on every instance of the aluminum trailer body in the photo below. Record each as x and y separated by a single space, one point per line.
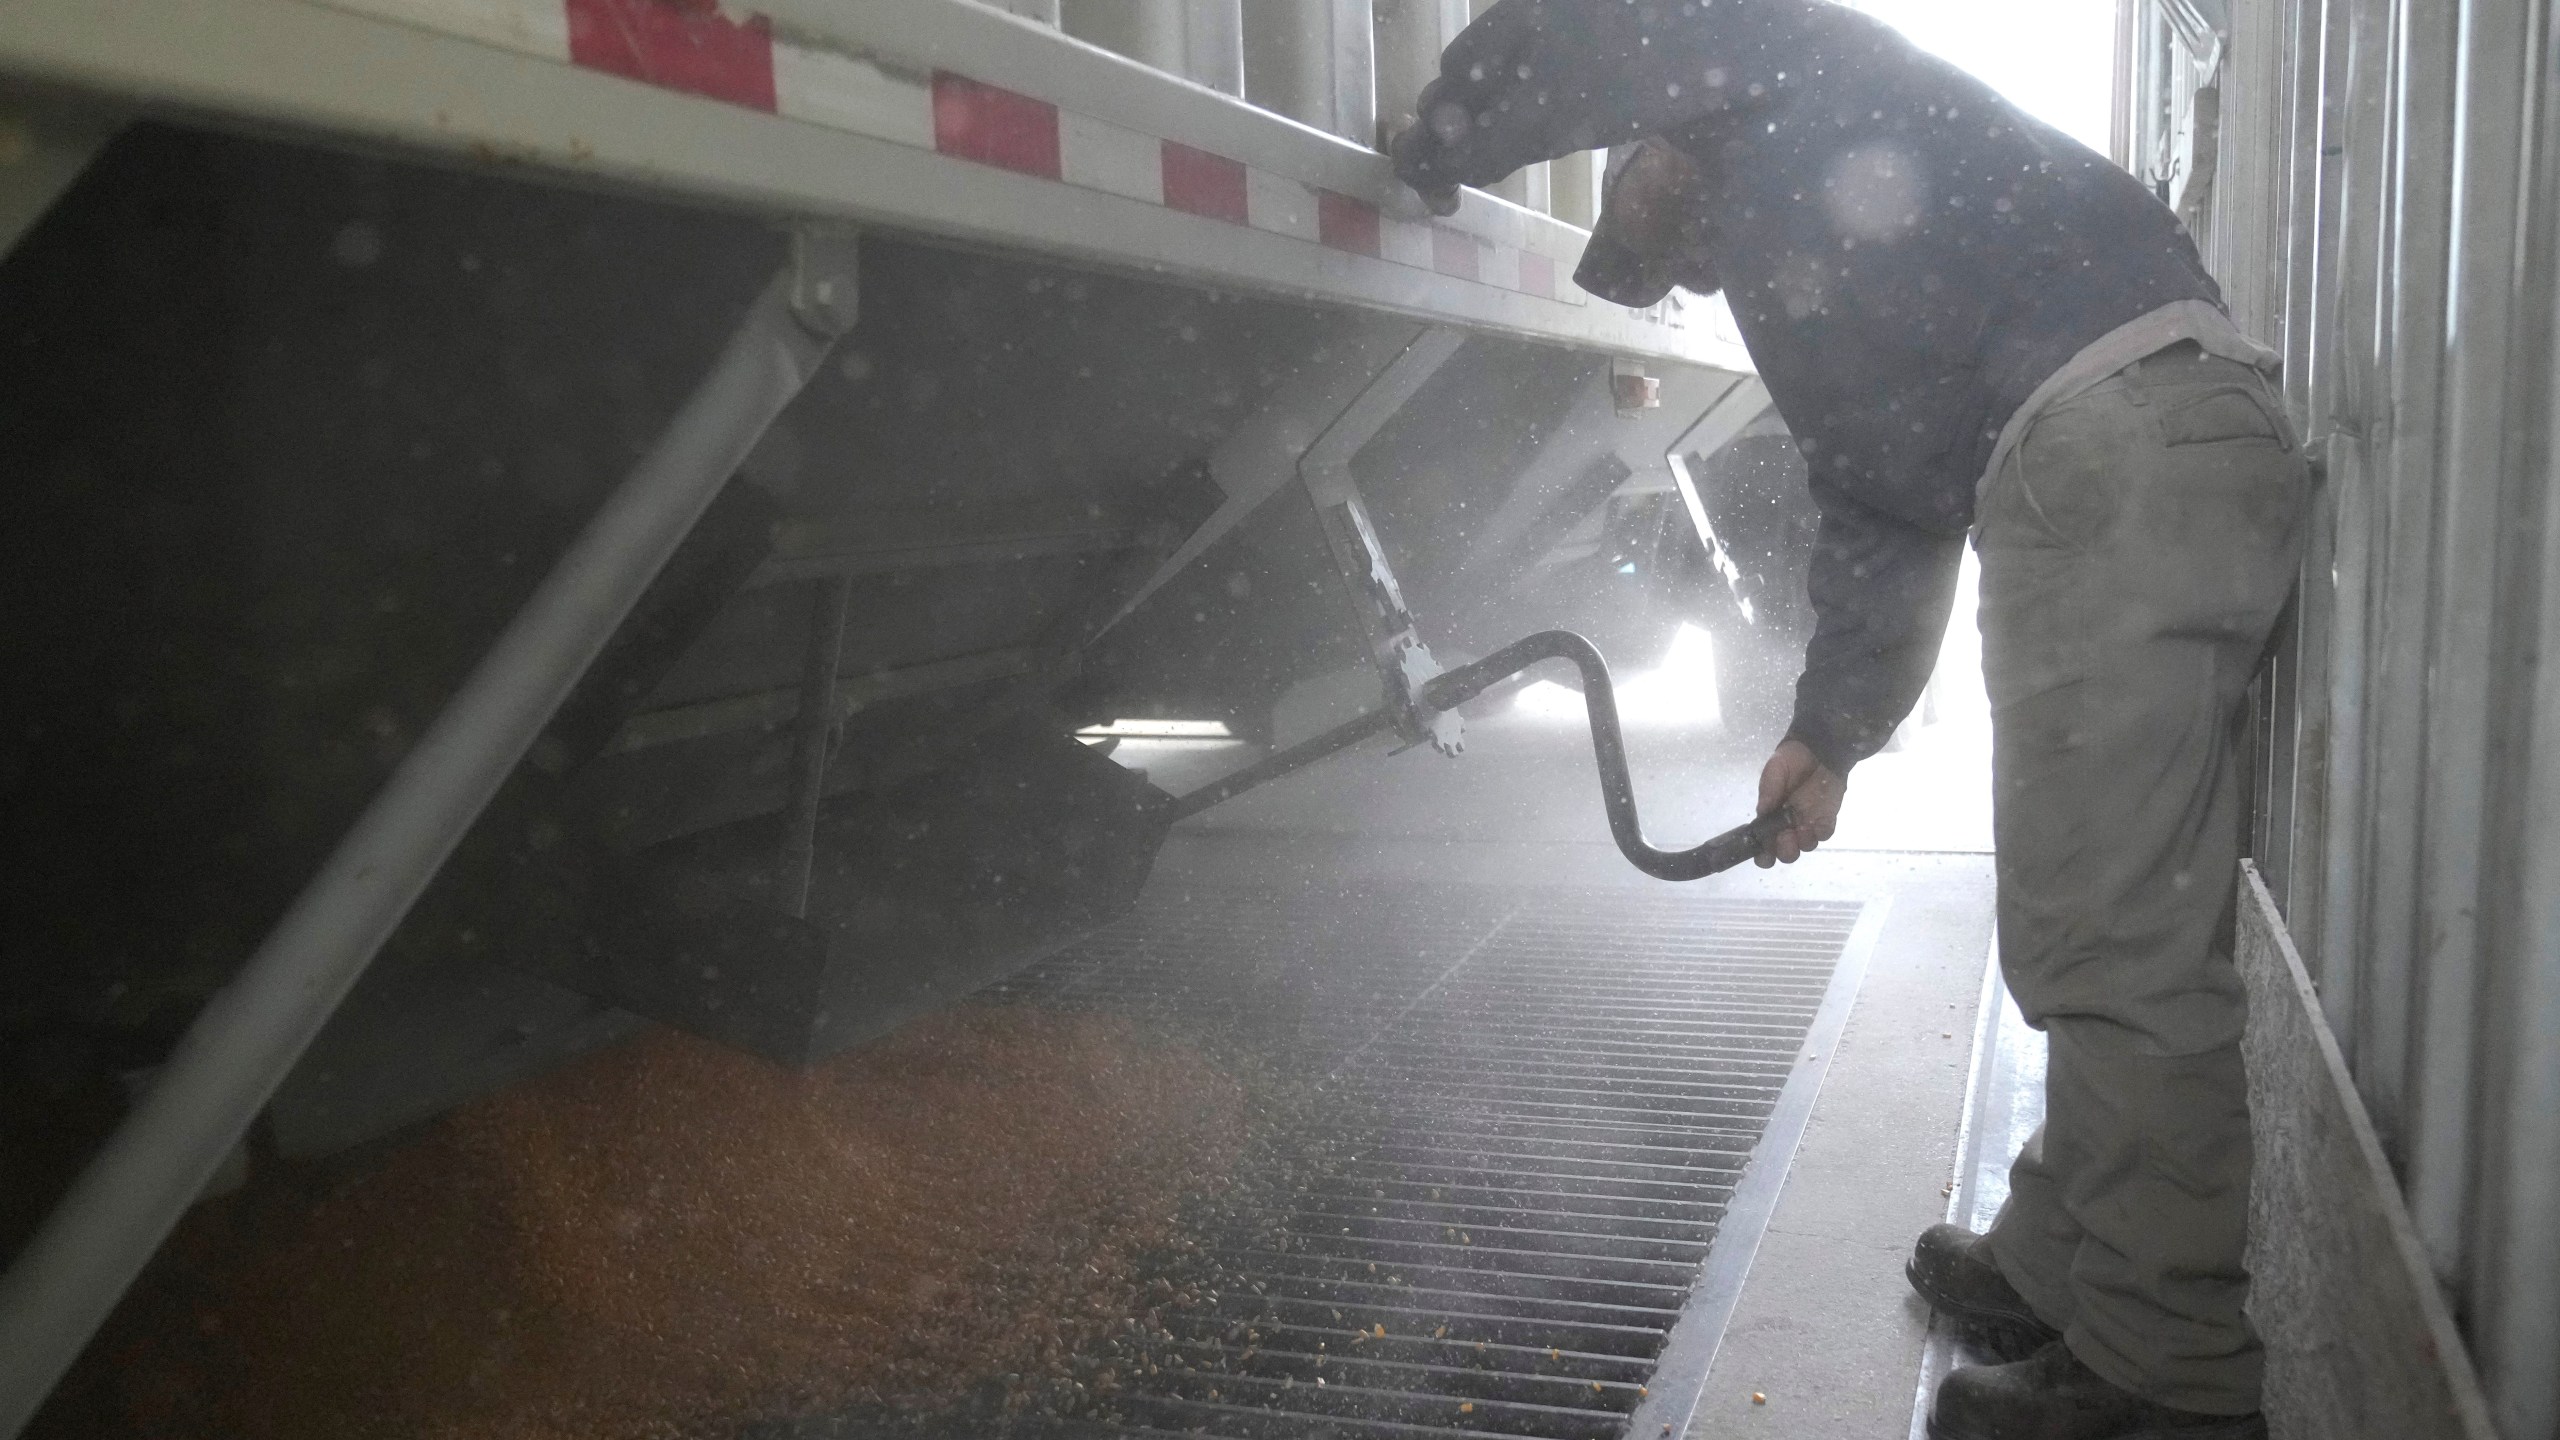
2373 182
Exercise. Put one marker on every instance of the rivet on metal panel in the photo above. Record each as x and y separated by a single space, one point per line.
826 277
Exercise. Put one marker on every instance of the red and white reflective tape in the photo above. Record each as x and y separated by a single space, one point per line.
696 47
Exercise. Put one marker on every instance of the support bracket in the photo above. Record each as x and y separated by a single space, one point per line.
1404 662
1710 432
826 298
64 1281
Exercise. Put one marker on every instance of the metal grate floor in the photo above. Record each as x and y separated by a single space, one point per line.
1536 1108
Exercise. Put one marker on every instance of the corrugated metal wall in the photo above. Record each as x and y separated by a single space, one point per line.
2385 207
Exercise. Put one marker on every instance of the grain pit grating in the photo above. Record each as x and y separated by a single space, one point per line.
1532 1112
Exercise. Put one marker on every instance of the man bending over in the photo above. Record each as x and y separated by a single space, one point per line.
1973 324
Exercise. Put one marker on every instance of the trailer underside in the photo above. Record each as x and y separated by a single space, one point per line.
1030 470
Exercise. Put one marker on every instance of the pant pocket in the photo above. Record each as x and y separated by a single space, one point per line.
2068 486
2227 414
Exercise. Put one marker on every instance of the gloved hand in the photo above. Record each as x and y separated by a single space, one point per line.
1419 154
1524 83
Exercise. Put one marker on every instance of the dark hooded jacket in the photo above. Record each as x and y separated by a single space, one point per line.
1907 255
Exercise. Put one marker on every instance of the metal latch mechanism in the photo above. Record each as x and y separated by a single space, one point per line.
1404 662
1420 698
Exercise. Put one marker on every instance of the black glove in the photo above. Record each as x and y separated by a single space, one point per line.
1491 111
1534 79
1420 157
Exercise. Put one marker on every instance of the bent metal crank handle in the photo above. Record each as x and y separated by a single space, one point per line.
1608 746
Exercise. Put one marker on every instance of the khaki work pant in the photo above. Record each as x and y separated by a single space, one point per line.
2136 548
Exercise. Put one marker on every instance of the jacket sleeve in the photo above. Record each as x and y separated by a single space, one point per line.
1534 79
1882 589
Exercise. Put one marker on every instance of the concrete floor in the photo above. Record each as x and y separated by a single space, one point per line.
2005 1103
1826 1332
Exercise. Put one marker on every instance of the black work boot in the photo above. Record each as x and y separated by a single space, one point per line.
1951 1272
2052 1396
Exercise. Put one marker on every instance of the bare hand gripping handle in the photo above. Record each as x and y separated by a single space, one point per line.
1608 746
